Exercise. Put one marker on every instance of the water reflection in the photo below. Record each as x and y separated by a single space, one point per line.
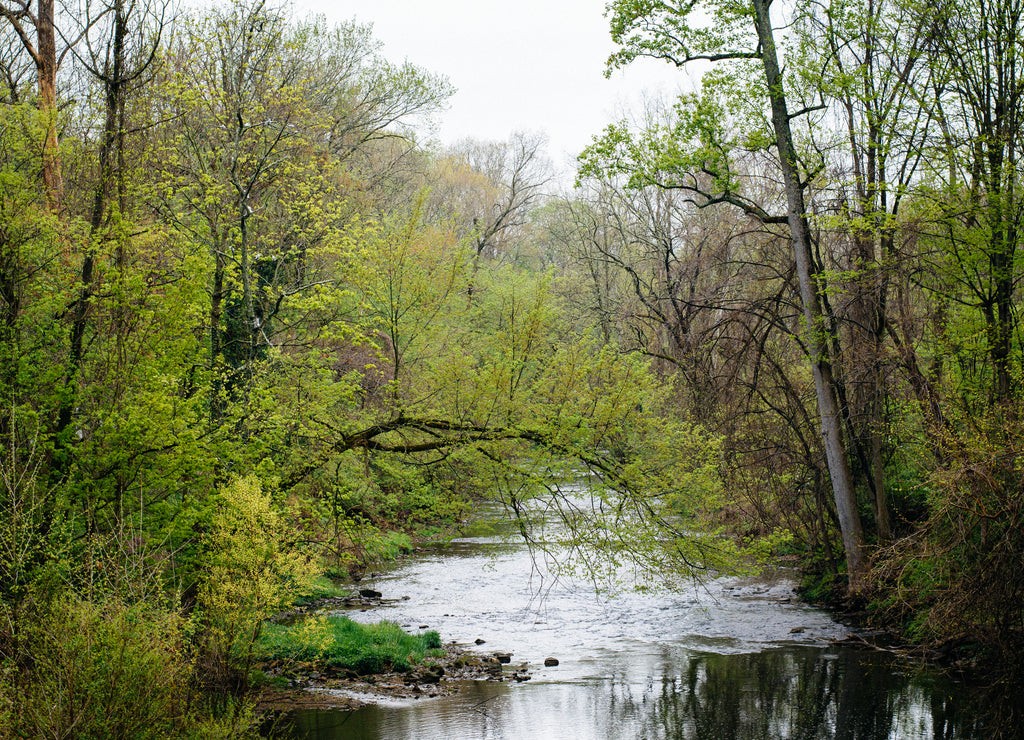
793 692
798 693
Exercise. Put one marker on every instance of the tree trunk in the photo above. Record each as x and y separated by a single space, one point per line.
824 384
217 294
46 65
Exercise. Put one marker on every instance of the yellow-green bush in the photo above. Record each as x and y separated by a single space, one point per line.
252 574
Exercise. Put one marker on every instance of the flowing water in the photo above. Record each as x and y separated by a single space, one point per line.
727 661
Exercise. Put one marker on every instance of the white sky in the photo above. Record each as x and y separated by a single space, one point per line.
518 65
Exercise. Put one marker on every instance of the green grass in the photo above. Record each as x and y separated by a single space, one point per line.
321 588
340 643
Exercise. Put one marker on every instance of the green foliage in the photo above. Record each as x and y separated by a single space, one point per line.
823 587
276 345
958 573
251 572
340 643
320 587
108 670
678 33
625 481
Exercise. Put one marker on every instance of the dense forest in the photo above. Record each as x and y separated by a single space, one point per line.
256 327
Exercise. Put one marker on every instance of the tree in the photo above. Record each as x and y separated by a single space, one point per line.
488 189
678 268
737 33
43 51
406 276
869 76
264 124
122 40
979 103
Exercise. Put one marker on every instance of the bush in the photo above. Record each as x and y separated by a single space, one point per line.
960 575
108 671
252 573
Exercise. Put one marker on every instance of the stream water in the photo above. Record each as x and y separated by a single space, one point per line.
727 661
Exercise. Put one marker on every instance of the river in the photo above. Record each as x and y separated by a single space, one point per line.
729 660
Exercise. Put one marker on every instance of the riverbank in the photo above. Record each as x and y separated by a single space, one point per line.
317 687
294 686
290 685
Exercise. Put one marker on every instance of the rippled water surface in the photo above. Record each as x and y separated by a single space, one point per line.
729 660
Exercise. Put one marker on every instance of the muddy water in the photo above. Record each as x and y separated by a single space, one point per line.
729 660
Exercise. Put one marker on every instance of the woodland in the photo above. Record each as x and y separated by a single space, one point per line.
257 328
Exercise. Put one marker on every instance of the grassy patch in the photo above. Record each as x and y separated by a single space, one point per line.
340 643
320 588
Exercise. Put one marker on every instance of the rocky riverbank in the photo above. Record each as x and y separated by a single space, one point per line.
293 685
312 687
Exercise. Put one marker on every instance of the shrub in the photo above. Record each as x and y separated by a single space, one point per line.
960 575
251 574
101 670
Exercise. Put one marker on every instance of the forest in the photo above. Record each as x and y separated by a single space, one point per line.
257 329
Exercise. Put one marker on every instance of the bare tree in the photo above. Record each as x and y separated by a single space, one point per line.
491 188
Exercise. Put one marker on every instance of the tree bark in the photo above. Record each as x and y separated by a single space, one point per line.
46 64
824 383
43 51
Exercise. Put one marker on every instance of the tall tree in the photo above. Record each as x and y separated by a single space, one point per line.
867 60
265 122
487 189
978 48
43 51
121 40
686 34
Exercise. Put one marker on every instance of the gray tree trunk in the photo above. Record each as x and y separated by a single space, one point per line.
824 384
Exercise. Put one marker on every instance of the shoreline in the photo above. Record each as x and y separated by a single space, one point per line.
313 687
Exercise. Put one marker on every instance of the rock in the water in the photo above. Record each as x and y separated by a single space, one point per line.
549 662
478 641
369 593
503 657
432 674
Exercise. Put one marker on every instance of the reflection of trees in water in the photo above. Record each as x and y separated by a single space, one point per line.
994 711
800 694
783 694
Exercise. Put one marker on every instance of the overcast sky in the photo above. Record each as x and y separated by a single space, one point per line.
518 65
